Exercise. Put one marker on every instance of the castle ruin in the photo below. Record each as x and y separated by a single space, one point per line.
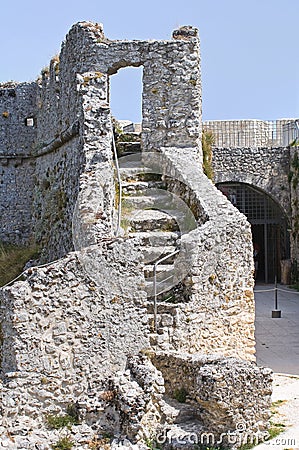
123 314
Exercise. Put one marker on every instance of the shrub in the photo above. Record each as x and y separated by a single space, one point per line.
63 444
180 395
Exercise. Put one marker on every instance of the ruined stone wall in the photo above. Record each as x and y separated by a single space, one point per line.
76 156
16 198
219 315
264 168
172 93
72 132
171 102
17 103
216 385
70 324
294 195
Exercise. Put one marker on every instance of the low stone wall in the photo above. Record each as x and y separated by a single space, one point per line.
137 400
234 396
71 323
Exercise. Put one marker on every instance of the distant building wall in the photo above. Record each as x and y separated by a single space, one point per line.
253 133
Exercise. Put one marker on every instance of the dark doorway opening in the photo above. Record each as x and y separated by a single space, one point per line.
269 227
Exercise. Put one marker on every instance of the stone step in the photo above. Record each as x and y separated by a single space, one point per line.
153 254
132 146
151 220
163 271
132 169
180 412
164 288
140 187
188 435
169 292
164 308
159 201
183 428
157 238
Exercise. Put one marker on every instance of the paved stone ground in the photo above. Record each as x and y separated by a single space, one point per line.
277 340
278 347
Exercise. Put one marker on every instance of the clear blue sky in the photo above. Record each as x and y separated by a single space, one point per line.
249 48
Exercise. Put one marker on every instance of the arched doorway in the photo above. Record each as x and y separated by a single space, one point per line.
269 227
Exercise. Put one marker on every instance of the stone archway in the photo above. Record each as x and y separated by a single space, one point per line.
269 224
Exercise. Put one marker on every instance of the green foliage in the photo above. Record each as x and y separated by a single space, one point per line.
295 161
208 141
72 410
152 444
295 143
67 420
294 173
63 444
180 395
275 429
57 422
13 260
277 403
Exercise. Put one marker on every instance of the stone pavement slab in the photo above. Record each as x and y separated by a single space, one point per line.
277 340
277 347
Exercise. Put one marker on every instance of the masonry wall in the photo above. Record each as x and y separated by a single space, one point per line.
294 195
216 386
171 101
264 168
218 314
16 197
17 103
64 332
59 158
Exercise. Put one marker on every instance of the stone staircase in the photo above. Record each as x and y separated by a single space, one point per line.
149 215
157 218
